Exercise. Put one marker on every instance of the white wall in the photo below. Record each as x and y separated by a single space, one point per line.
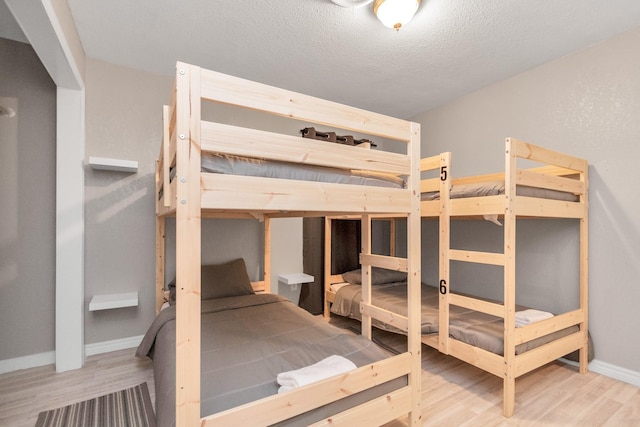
586 104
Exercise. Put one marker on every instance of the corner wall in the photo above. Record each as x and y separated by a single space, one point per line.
586 104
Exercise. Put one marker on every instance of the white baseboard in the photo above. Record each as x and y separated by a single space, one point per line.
611 371
113 345
49 357
26 362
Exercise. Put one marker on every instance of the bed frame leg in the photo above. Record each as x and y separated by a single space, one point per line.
508 395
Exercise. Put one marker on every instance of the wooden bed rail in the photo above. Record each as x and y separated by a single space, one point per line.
273 409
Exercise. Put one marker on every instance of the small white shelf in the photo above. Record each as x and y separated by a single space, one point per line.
295 278
107 302
117 165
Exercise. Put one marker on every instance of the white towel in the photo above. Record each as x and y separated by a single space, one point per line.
326 368
529 316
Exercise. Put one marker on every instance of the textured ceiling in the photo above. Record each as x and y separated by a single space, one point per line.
452 47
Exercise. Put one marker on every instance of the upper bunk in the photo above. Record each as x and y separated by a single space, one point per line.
555 187
191 143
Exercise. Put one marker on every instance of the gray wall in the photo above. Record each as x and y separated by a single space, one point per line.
586 104
123 121
27 211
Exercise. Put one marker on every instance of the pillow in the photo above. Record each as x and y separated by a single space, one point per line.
228 279
379 276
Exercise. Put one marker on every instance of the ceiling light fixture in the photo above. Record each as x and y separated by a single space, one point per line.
395 13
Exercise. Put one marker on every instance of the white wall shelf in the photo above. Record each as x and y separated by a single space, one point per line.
294 279
107 302
116 165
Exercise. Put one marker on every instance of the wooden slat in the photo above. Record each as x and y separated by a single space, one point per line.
222 138
477 257
430 163
470 206
276 408
430 208
430 340
542 355
257 194
386 316
383 261
532 179
478 179
256 96
554 170
536 153
374 412
258 286
548 326
477 305
536 207
478 357
430 185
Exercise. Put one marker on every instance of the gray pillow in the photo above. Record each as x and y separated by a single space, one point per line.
228 279
379 276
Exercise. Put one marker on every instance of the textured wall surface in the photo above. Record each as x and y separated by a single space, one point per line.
586 104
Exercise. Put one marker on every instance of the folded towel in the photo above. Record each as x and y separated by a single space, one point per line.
530 315
326 368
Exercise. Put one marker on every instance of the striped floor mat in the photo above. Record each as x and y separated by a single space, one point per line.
125 408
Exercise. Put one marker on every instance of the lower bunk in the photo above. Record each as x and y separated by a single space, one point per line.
474 337
255 348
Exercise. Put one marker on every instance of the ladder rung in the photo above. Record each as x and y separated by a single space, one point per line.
383 261
477 257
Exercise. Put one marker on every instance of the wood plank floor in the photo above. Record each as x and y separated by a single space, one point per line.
454 393
25 393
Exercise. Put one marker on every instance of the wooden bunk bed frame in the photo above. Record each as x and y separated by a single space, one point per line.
559 172
193 195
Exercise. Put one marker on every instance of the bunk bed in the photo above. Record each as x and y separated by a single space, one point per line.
479 331
192 184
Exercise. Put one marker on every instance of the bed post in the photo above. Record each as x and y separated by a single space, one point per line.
188 245
160 245
584 270
509 279
445 254
392 236
414 279
267 254
366 273
327 265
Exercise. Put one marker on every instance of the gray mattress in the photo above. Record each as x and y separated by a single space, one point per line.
246 341
236 165
495 188
472 327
